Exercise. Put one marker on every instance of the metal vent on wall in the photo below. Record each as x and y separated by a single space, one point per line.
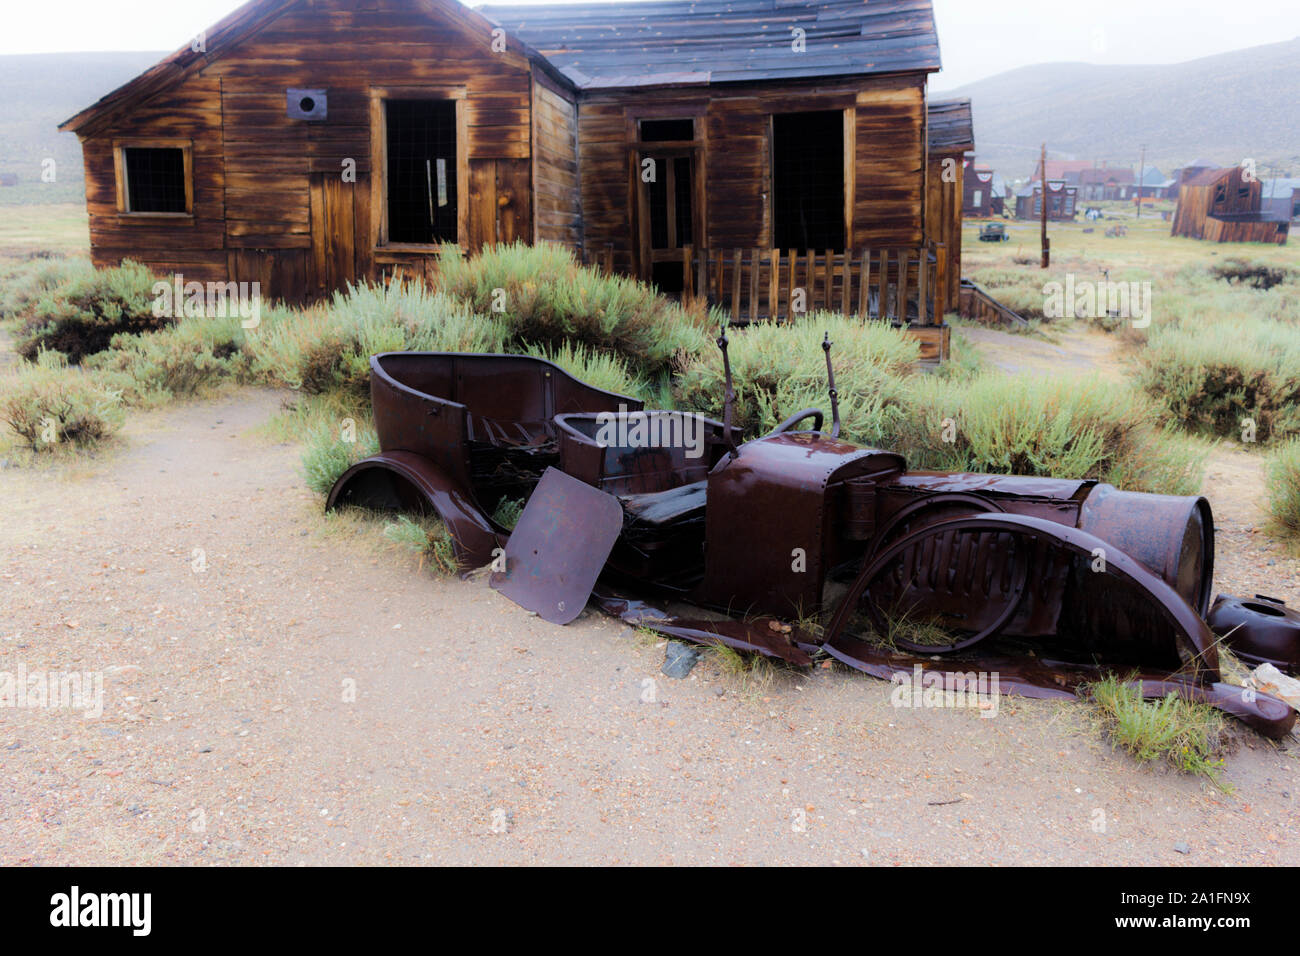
307 104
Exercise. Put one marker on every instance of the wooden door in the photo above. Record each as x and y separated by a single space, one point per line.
334 231
668 214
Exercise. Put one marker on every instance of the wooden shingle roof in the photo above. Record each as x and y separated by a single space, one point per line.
679 42
951 129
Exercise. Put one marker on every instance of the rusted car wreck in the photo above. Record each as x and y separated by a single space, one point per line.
1043 581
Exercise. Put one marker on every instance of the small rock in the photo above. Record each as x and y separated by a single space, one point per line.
680 660
1182 848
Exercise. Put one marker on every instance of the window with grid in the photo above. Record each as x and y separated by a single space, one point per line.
808 180
421 170
155 179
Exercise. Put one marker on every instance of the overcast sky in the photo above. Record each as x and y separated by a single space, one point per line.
979 37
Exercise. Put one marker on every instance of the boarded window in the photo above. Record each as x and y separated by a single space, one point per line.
421 171
155 179
808 180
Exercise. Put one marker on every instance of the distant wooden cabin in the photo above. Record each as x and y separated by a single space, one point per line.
979 193
1062 201
1186 173
1223 205
951 136
1106 183
312 143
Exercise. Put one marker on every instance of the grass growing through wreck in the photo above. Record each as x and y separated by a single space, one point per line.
426 538
753 675
1186 735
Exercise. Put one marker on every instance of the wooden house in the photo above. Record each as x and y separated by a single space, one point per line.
980 192
1106 182
729 148
951 135
1062 201
1224 205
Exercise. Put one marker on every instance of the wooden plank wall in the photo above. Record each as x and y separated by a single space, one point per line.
194 246
943 218
270 199
889 159
1197 203
557 200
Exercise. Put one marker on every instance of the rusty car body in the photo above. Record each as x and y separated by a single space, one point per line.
1047 580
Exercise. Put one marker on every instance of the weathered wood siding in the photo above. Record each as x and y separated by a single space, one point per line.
1228 194
943 218
190 111
885 191
557 200
270 198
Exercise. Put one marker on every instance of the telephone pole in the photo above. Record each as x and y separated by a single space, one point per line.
1142 172
1042 184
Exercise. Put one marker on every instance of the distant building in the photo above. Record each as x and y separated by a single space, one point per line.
1192 169
979 192
1062 201
1153 184
1222 205
1281 197
1068 171
1106 182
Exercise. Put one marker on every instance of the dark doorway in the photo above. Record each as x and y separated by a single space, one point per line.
421 184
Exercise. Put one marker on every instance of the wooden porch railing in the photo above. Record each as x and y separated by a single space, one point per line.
902 285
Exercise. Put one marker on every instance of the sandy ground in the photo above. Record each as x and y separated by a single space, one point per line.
478 733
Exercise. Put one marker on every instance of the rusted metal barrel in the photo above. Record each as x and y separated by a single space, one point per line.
1172 535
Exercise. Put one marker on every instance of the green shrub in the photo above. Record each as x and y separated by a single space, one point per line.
1284 489
327 454
329 346
778 370
597 369
544 298
1062 428
1212 378
183 360
47 405
508 511
24 281
80 316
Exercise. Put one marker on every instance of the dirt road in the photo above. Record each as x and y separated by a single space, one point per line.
289 694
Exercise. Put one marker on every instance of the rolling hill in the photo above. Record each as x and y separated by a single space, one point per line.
1224 108
39 92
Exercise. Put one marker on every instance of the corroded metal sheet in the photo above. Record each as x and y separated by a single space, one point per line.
559 547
